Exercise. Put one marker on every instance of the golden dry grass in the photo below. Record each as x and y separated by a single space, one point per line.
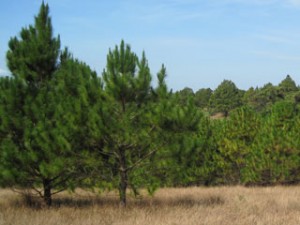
220 205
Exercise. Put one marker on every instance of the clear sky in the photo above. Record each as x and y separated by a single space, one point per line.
201 42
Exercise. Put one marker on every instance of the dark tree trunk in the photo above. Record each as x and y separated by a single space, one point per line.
226 113
123 178
47 192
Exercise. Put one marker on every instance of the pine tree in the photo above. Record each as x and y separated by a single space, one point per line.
225 98
261 99
32 61
275 154
235 143
185 137
184 95
202 97
44 112
129 122
34 57
288 85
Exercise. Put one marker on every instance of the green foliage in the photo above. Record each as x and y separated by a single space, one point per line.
129 119
202 97
43 107
288 85
184 95
34 56
225 98
235 142
40 131
187 136
261 99
276 150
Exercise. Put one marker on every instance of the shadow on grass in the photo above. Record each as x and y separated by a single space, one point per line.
99 201
85 202
183 201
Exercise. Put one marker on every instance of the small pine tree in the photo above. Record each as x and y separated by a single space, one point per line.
288 85
202 97
225 98
129 123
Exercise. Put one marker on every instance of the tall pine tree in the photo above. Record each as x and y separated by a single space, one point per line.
44 112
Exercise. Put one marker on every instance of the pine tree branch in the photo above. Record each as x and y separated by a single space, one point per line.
59 191
37 191
137 163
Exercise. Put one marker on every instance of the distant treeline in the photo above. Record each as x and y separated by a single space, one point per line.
227 97
62 126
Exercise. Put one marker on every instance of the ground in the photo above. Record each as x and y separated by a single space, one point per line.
169 206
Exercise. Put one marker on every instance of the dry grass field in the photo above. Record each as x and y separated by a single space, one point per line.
220 205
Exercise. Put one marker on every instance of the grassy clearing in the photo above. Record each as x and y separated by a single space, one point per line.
221 205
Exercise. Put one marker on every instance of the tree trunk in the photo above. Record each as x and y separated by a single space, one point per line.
123 179
226 113
47 192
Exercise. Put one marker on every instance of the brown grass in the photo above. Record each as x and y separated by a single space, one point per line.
217 116
221 205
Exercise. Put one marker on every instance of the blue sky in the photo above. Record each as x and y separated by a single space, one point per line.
201 42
